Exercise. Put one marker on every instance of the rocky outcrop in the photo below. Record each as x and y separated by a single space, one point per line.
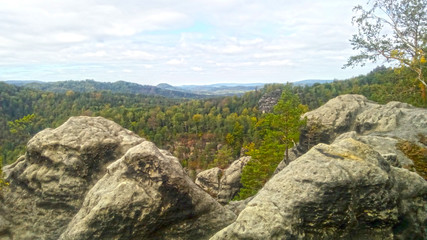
48 184
381 126
223 184
90 177
230 181
345 190
147 195
209 180
269 100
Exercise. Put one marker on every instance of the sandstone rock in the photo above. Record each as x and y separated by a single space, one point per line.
147 195
48 184
269 100
334 118
345 190
92 178
209 180
386 146
230 181
237 206
395 119
380 126
223 184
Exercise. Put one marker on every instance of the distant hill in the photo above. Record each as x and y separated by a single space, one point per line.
222 89
310 82
115 87
162 89
21 82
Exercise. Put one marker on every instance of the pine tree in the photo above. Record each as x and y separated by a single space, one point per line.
279 131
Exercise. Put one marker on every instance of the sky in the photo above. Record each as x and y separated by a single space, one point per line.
177 42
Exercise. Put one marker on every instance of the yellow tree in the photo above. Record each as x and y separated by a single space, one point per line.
394 30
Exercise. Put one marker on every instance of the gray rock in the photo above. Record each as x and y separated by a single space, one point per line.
269 100
147 195
48 184
209 180
91 178
395 119
337 116
237 206
345 190
223 184
380 126
386 146
230 181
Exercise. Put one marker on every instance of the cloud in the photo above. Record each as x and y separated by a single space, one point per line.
176 61
233 40
276 63
197 69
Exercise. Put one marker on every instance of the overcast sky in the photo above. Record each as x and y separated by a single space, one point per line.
177 42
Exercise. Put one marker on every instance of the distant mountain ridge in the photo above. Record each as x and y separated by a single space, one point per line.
115 87
162 89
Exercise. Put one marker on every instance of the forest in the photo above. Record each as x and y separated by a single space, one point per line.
202 133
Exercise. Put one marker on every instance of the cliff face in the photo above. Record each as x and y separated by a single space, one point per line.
92 179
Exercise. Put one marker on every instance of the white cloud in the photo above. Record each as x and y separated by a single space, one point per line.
227 40
276 63
197 69
176 61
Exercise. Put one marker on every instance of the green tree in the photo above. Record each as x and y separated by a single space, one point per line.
21 128
279 131
223 157
394 30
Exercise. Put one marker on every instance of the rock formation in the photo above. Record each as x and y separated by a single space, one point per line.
223 184
269 100
345 190
380 126
92 178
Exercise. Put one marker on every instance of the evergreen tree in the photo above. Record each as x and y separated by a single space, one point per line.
279 131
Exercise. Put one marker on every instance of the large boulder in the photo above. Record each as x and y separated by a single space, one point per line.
345 190
372 123
93 174
230 181
48 183
147 195
223 184
209 180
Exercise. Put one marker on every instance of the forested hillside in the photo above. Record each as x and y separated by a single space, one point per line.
115 87
201 133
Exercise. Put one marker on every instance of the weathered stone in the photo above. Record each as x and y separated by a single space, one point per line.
345 190
380 126
395 119
269 100
147 195
230 181
48 184
91 178
386 146
223 184
209 180
337 116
